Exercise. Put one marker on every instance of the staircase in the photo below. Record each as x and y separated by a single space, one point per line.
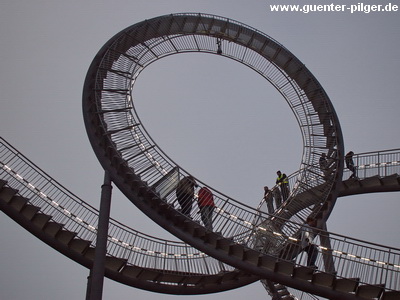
82 251
24 198
372 184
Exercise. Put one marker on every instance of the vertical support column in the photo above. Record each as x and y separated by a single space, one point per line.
96 277
327 254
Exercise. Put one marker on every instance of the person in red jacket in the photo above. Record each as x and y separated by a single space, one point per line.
206 205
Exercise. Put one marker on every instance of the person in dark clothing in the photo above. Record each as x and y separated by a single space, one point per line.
307 236
269 198
278 197
283 183
324 165
350 164
185 194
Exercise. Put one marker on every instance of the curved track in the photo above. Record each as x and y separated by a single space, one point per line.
247 244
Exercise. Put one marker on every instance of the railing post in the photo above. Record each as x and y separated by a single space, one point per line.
96 278
379 164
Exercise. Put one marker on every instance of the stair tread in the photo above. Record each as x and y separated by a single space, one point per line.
41 219
79 245
30 211
284 267
370 291
304 273
390 295
348 285
324 279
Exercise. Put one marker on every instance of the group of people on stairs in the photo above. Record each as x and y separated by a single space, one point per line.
205 200
185 193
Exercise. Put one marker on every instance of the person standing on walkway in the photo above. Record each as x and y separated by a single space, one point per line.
185 194
350 164
269 198
324 165
277 196
283 183
206 204
307 236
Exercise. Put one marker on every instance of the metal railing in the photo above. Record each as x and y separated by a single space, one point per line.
378 163
129 54
78 216
120 128
353 258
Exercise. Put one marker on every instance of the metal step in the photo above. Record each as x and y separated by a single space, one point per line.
179 220
190 226
40 220
323 279
199 232
7 193
215 240
195 279
169 212
52 228
371 182
236 250
351 183
284 267
347 285
391 180
29 211
223 244
169 277
112 263
2 183
370 291
303 273
115 263
131 271
391 295
283 293
79 245
229 276
147 274
18 202
65 236
90 252
210 279
251 256
267 262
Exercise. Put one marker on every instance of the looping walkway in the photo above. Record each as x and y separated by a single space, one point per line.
246 244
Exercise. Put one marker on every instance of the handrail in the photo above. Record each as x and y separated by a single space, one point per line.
78 216
368 164
353 258
138 165
377 163
129 141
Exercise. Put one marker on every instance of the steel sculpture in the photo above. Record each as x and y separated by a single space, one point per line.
123 146
246 244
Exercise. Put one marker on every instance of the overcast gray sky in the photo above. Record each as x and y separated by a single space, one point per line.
47 46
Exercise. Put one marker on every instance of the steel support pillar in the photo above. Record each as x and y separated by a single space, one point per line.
96 277
327 254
